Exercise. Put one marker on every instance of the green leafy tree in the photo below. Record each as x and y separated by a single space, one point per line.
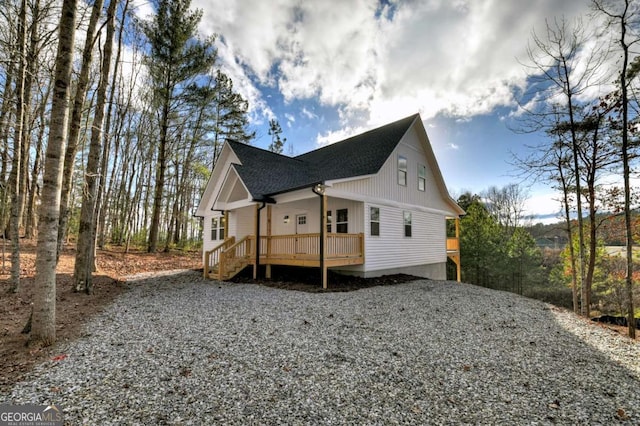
481 246
525 260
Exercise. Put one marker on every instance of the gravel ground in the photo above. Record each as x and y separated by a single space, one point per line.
177 349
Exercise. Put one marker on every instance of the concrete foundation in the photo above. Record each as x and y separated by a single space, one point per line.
433 271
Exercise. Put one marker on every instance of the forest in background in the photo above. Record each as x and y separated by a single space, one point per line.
502 249
111 122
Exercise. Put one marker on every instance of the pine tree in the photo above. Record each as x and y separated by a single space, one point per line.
176 58
277 143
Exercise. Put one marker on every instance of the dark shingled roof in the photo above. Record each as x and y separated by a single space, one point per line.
265 173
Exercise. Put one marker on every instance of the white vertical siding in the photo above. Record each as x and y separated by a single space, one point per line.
384 185
242 222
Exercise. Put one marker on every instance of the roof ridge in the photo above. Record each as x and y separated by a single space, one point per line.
413 116
257 148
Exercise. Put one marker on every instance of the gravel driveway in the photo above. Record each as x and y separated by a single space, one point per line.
177 349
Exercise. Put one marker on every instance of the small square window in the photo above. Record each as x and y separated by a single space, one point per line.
302 220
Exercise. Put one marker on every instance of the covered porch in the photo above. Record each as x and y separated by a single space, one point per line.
323 249
230 257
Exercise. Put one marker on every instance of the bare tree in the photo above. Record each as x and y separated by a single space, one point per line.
43 329
16 164
564 68
625 15
86 237
506 205
75 121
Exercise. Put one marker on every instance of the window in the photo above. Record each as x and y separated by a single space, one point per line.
302 220
329 219
407 224
402 170
217 228
214 228
422 177
342 221
374 221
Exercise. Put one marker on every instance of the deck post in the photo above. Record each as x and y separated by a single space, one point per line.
458 268
319 190
323 240
226 224
268 264
206 264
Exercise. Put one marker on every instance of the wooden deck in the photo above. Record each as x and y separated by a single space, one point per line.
230 257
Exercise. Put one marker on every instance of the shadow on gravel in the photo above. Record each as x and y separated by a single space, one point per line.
308 280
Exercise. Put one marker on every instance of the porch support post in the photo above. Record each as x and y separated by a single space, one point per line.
256 226
323 239
226 224
319 190
458 267
268 263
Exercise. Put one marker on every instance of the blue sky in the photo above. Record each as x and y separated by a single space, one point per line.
328 69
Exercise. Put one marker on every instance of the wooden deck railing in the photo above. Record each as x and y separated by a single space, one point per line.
308 245
230 257
212 257
453 244
236 255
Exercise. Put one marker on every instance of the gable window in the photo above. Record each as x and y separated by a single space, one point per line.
422 177
402 170
407 224
342 221
374 221
329 219
217 228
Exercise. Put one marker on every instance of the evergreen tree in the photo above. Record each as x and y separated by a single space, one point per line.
230 120
277 143
176 59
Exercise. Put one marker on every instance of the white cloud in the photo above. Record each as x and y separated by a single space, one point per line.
437 56
543 206
339 135
310 115
142 9
454 146
290 120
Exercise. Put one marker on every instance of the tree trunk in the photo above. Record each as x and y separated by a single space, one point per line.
32 62
631 322
16 166
160 177
43 329
32 224
76 118
86 237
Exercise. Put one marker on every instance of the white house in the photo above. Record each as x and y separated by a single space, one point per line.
370 205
